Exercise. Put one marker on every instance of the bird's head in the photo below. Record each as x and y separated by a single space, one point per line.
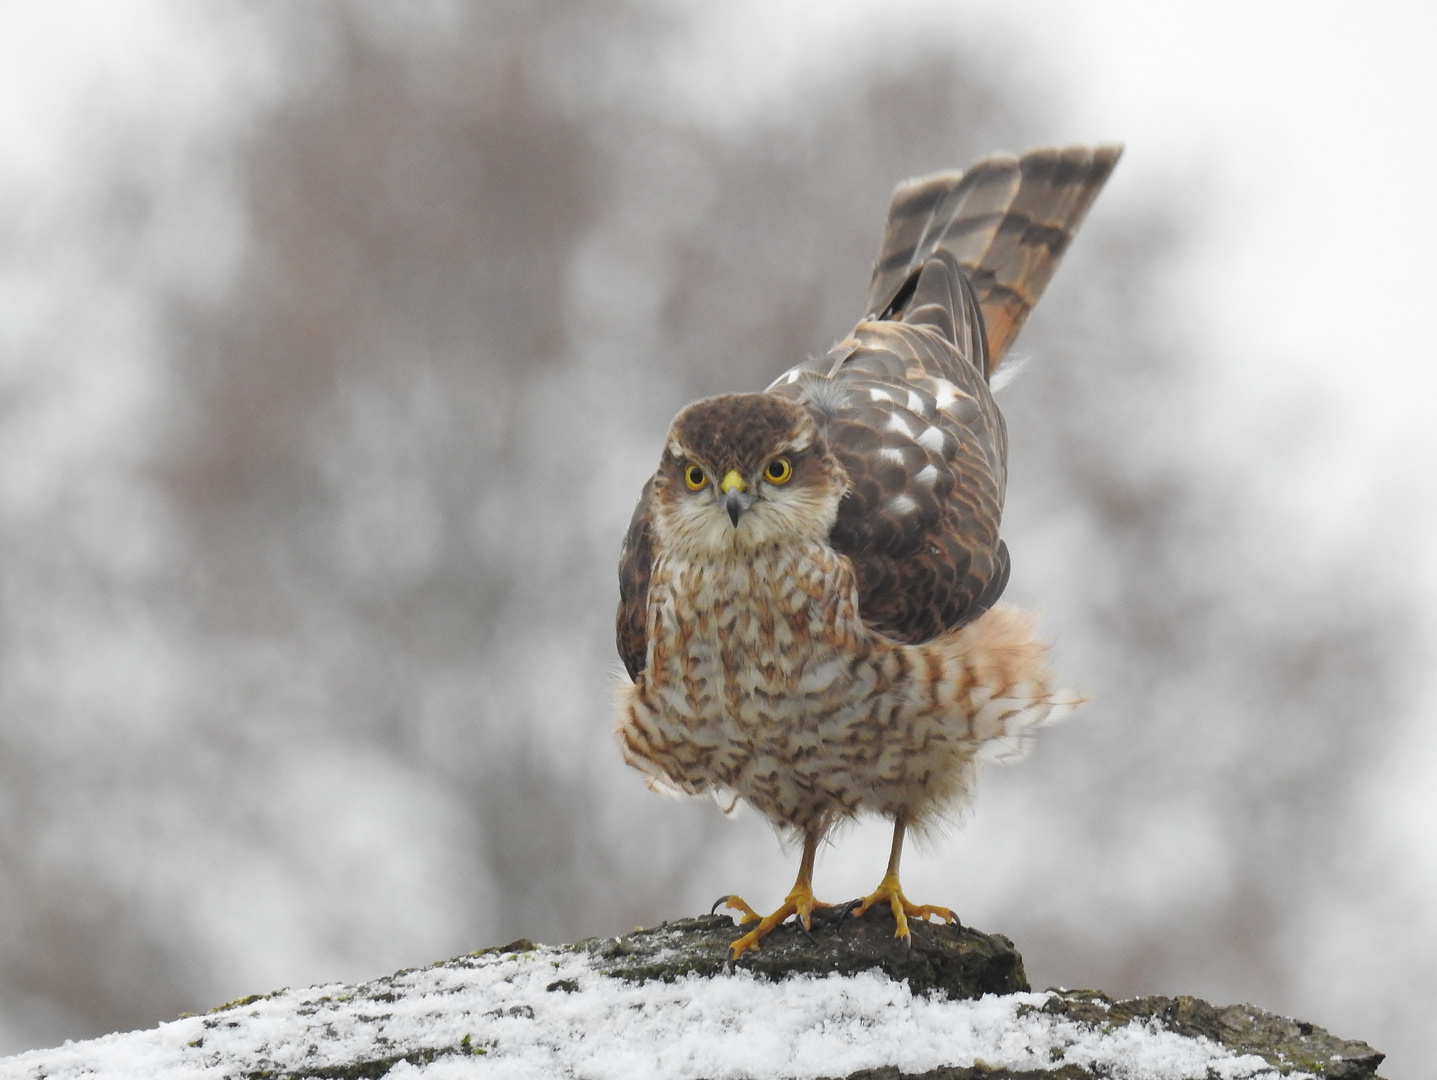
744 470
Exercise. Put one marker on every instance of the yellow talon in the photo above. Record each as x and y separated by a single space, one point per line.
889 889
738 904
798 902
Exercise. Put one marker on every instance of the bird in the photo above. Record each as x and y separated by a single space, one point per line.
808 587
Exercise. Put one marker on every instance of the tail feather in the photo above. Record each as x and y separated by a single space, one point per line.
962 208
1006 222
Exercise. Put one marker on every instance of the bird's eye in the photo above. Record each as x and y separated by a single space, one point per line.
694 477
778 471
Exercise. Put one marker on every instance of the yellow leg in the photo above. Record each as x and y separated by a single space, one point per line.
798 902
889 889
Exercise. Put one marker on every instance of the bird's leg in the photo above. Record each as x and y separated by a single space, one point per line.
798 902
889 889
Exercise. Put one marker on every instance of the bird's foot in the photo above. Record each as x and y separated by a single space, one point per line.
799 902
903 909
733 900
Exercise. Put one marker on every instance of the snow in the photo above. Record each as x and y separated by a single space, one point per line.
548 1012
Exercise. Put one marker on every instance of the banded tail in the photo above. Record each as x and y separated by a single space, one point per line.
1006 222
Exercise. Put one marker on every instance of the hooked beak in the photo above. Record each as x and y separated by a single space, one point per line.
736 502
736 497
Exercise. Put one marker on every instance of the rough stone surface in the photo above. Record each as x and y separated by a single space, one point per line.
293 1035
956 961
1290 1045
964 963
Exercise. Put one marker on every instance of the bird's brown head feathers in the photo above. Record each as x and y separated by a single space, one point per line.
743 470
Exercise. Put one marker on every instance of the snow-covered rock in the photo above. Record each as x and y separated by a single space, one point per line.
667 1003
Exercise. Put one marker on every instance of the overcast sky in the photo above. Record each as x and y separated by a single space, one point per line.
1301 132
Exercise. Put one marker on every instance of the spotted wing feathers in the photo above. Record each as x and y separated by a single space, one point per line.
915 427
906 400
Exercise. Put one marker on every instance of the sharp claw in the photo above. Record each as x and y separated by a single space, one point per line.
903 911
733 900
799 902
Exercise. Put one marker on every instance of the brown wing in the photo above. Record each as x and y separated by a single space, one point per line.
1006 221
925 448
906 400
636 558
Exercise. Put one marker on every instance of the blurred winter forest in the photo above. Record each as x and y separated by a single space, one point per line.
337 342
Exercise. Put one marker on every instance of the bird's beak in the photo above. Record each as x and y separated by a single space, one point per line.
736 497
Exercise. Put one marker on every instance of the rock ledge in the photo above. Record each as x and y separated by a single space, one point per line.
844 1000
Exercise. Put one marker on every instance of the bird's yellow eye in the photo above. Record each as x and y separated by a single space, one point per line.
694 477
778 471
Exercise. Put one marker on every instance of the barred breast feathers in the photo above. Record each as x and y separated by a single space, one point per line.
909 745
